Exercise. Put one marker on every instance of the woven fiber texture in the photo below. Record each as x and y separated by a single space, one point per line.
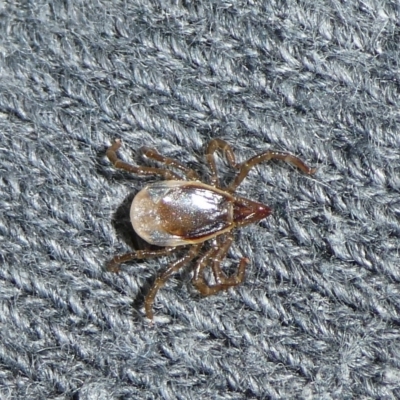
318 315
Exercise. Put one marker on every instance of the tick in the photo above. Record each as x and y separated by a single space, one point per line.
183 211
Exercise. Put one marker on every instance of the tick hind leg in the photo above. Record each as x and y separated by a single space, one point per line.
160 280
118 163
226 149
245 167
114 264
154 155
222 282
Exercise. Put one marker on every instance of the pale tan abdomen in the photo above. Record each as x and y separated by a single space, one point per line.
176 213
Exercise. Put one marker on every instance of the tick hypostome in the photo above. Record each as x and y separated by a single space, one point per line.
183 211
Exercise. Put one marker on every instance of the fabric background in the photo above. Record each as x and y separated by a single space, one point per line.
318 315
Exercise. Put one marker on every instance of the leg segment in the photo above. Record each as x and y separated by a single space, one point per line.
222 282
118 163
219 255
160 281
153 154
213 146
114 264
245 167
198 279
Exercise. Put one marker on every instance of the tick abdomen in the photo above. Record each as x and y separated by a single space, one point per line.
174 213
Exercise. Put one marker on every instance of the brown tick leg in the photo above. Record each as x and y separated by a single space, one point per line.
213 146
222 281
154 155
114 264
160 281
198 279
234 280
220 253
118 163
268 155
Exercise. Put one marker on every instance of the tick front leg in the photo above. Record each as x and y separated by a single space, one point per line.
114 264
269 155
153 154
118 163
218 145
160 281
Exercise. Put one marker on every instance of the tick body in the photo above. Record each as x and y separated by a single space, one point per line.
178 213
183 211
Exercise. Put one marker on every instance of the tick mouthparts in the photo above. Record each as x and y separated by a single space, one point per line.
246 211
263 211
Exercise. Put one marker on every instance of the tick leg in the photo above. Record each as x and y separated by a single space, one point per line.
219 255
245 167
222 281
160 281
198 278
118 163
114 264
153 154
218 145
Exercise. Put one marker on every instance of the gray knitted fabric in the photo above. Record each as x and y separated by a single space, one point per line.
318 315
